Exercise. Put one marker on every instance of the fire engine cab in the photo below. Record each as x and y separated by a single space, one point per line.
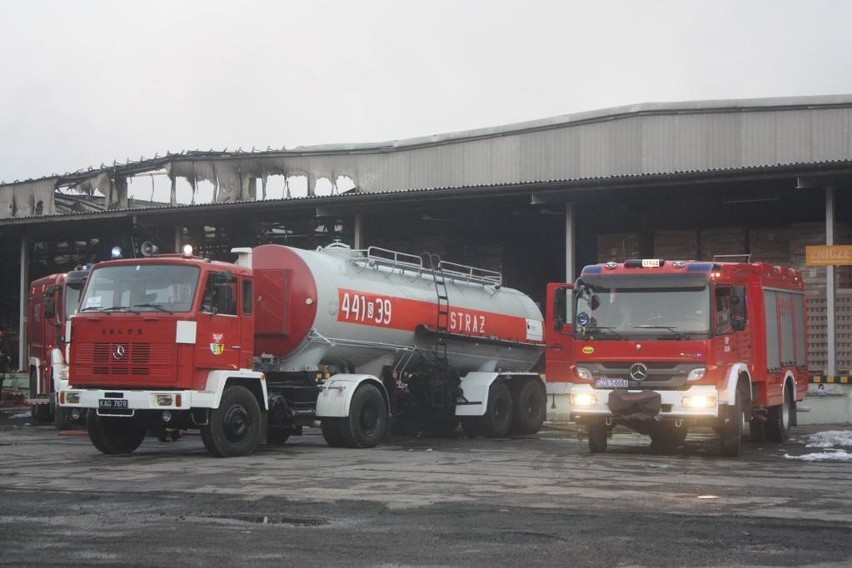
662 346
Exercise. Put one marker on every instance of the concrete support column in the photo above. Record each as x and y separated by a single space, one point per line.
358 231
569 242
830 293
22 304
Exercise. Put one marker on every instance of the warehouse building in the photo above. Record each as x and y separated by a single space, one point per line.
538 200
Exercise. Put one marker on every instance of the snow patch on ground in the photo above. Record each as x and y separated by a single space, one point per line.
836 446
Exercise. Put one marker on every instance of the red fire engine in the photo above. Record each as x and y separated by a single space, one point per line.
52 301
661 346
286 337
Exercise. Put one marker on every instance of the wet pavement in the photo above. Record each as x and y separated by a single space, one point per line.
539 500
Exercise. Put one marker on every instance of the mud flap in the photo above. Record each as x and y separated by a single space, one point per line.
644 404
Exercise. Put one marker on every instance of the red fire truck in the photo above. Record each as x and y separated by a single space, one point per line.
663 346
52 300
285 337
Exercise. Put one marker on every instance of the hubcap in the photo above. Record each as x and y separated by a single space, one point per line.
237 423
369 419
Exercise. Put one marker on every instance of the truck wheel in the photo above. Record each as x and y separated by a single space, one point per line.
367 421
529 407
498 415
39 412
598 433
732 432
60 415
780 419
115 435
234 429
331 432
757 429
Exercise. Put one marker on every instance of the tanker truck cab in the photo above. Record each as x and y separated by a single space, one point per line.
664 346
165 343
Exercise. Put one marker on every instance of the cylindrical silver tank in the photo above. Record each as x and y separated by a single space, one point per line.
362 310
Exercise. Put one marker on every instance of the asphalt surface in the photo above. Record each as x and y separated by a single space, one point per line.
539 500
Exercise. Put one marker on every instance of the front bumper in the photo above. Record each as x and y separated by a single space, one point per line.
124 402
697 402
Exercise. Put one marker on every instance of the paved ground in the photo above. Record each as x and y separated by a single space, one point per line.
541 500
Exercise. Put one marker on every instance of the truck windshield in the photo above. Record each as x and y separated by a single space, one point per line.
661 309
141 287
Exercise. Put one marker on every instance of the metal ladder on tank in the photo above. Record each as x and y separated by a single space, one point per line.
442 324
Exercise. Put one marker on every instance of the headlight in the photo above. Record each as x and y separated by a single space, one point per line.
584 373
584 399
168 399
699 401
164 400
72 398
696 374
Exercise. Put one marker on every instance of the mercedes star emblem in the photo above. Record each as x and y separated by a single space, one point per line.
638 372
118 352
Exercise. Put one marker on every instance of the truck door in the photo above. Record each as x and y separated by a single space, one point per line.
559 332
726 340
219 325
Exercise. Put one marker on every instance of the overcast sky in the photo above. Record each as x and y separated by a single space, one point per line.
88 82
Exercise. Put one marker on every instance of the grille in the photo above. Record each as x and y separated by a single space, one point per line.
125 360
660 375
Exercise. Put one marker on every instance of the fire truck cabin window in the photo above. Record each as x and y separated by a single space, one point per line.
141 287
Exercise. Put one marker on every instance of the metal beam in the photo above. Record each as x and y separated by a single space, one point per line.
22 306
830 293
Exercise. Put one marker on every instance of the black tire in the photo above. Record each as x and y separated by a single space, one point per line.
598 433
113 435
60 415
235 428
40 413
331 432
780 418
529 407
757 429
498 415
732 432
368 419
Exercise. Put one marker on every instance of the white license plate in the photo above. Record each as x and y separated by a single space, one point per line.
611 383
112 403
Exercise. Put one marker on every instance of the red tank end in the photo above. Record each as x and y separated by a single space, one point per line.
285 298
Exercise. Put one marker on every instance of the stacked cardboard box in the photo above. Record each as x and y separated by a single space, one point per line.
770 245
722 242
618 247
676 245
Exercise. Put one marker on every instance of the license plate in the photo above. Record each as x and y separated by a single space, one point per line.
611 383
112 403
